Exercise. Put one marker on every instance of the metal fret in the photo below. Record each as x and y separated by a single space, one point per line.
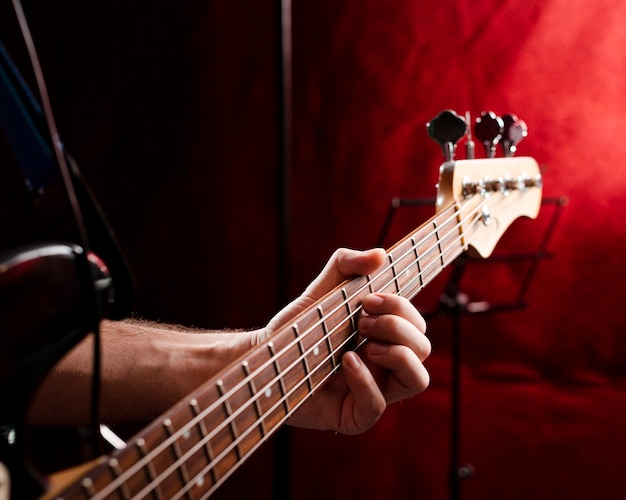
305 363
229 412
228 427
182 470
281 382
114 465
395 274
327 337
149 468
87 485
208 450
417 261
257 403
350 315
459 220
443 264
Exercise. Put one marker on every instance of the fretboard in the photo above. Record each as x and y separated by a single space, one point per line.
190 450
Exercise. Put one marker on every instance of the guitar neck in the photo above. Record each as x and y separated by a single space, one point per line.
199 442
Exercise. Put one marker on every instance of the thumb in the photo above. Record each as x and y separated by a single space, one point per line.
343 264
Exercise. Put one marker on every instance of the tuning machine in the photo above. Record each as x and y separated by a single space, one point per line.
447 128
514 131
488 129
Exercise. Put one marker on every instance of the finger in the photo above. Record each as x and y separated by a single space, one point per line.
391 330
408 376
344 264
394 320
365 403
383 303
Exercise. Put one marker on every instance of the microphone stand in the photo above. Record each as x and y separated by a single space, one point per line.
281 476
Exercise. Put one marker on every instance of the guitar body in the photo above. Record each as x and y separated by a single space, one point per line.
46 307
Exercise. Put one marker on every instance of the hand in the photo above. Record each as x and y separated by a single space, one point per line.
388 369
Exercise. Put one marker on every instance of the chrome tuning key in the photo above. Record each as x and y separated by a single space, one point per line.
447 128
513 132
488 130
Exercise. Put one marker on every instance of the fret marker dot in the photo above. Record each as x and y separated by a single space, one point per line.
316 351
200 481
187 435
268 392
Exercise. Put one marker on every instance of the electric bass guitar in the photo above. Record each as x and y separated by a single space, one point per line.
190 450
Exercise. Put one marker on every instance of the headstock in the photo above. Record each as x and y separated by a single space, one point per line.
490 192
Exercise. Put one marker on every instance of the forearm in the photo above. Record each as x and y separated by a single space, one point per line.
145 369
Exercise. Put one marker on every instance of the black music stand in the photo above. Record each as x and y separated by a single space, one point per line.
454 303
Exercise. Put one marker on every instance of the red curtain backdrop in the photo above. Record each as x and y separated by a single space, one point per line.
171 110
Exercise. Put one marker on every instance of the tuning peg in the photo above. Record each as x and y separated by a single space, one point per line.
447 128
470 146
488 130
514 131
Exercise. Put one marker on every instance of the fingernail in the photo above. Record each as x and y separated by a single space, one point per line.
377 348
350 360
373 300
366 323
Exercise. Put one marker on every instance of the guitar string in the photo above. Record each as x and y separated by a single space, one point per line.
236 442
148 458
232 446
